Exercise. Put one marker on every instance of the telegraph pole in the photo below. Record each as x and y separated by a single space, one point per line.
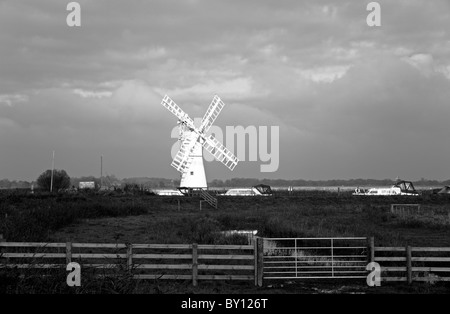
101 171
53 167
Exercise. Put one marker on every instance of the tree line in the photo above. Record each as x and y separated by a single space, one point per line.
63 181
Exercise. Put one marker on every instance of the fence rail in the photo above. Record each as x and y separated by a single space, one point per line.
144 261
312 258
266 258
408 264
405 209
211 200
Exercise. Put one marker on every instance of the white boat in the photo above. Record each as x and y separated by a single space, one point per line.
168 192
257 190
399 188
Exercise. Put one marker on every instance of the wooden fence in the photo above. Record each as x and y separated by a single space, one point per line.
208 262
144 261
405 209
408 264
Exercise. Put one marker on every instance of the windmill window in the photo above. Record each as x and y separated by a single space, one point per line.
192 173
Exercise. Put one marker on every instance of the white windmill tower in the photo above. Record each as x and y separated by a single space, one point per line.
189 159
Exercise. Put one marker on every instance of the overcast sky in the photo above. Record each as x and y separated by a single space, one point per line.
351 101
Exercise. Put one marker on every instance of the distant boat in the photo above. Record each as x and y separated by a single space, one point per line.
444 190
401 187
168 192
257 190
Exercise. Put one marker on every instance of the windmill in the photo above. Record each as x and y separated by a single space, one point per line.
189 159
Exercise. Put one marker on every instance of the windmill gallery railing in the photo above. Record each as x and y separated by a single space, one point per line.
265 259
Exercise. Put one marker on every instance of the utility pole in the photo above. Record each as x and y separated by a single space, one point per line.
101 171
53 167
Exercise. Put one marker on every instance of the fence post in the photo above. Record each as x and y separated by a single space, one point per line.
129 256
2 249
2 240
194 264
371 249
255 258
332 259
408 264
68 252
259 261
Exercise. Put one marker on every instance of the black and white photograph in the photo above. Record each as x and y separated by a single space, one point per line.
222 154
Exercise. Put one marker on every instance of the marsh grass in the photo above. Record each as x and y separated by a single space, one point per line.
54 281
34 217
434 218
153 219
309 214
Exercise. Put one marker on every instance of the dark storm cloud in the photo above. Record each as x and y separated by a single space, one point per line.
350 100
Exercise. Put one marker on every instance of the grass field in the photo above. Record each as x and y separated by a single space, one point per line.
153 219
311 214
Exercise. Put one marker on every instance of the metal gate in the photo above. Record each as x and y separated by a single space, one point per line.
299 258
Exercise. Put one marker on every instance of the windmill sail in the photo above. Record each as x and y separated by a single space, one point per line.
220 152
182 159
211 114
177 111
